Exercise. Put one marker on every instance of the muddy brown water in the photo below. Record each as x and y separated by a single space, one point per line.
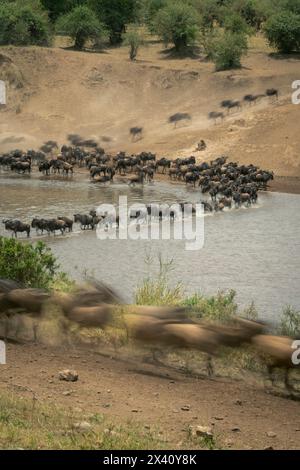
254 251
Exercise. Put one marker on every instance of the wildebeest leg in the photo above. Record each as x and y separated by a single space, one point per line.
35 330
210 366
287 383
271 373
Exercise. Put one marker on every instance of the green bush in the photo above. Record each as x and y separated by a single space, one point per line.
283 31
23 25
290 323
134 40
177 23
115 14
81 24
234 23
32 265
254 12
228 50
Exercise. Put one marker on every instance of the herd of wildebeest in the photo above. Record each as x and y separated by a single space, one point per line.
227 184
94 305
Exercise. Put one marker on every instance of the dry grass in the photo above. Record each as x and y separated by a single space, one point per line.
29 424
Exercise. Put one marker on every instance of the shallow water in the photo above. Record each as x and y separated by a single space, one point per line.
255 251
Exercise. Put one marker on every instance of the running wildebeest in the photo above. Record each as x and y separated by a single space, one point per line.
272 92
136 133
176 118
216 115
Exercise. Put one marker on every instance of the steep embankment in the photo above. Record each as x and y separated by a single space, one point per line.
53 92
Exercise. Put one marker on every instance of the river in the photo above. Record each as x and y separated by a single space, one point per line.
254 251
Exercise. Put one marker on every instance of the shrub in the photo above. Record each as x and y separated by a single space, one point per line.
81 24
115 14
228 50
134 40
283 31
177 23
32 265
234 23
290 323
23 25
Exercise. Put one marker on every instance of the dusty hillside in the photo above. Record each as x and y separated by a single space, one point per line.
98 95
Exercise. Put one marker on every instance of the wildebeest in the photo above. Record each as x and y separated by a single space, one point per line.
272 92
277 352
176 118
44 167
136 132
68 222
216 115
86 221
16 226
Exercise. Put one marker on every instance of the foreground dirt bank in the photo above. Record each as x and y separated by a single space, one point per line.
242 415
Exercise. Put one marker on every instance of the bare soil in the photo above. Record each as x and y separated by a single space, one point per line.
242 415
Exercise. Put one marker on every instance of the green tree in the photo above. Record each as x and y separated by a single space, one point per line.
115 14
234 23
81 24
134 39
32 265
228 50
283 31
177 23
57 7
23 25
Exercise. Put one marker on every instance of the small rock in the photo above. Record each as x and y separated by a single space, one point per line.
134 411
271 434
68 375
147 426
175 411
236 429
269 448
83 426
106 405
201 431
67 393
186 408
218 418
238 402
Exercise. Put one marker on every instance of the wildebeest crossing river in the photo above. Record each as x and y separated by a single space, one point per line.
254 251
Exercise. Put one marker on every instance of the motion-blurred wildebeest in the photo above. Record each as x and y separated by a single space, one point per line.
272 93
216 115
136 133
178 117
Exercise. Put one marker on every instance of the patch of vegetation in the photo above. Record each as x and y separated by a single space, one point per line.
283 31
81 24
290 323
157 290
31 265
177 23
134 39
23 25
228 50
28 424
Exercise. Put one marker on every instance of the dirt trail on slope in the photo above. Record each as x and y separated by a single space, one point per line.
56 92
242 415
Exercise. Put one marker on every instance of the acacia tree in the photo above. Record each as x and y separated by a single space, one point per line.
283 31
81 24
177 23
23 24
115 14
